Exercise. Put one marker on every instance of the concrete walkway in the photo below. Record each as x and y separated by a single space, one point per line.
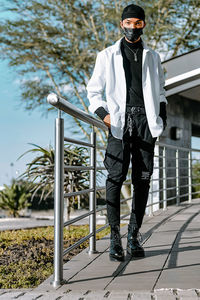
170 270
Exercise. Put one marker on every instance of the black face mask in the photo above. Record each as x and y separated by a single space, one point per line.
132 34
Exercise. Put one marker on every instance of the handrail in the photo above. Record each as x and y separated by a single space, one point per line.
161 156
178 147
72 110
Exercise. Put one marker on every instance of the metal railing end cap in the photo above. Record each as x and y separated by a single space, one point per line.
52 98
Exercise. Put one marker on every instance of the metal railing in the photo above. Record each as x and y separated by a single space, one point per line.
159 186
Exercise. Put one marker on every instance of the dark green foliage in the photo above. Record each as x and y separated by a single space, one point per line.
40 172
196 179
26 256
14 198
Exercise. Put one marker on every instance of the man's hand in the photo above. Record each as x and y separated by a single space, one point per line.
163 114
164 123
106 120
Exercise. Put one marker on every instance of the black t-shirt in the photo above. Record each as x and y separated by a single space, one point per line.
133 72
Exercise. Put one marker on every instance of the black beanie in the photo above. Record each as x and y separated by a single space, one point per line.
133 11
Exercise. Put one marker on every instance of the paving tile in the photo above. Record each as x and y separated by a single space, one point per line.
160 240
187 293
198 292
50 296
165 297
73 295
11 295
123 294
94 295
182 269
118 297
30 296
164 291
143 295
164 294
181 278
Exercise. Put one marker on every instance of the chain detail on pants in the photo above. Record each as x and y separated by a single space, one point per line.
130 114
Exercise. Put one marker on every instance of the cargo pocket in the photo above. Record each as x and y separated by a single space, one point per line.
113 160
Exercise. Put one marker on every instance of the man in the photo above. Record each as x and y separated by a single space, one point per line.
135 113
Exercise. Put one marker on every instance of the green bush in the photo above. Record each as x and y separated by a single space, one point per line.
196 179
14 198
26 256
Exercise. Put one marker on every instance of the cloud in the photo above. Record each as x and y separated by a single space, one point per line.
24 80
67 88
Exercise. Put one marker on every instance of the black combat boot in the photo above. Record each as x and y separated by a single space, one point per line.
116 250
133 245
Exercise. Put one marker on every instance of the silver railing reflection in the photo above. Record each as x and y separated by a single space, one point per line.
173 164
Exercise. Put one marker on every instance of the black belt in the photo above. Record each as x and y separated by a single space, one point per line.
135 109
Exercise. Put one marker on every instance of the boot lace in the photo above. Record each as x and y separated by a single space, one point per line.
139 237
116 237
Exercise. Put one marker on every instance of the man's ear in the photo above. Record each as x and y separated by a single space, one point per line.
121 24
144 24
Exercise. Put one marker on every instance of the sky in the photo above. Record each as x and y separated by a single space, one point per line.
18 127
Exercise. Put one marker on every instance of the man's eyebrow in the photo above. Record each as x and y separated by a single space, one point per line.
135 21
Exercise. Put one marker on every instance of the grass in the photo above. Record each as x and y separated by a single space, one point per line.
26 256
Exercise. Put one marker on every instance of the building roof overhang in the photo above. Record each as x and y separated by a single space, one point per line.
183 75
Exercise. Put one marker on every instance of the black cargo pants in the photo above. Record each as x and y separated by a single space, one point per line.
138 146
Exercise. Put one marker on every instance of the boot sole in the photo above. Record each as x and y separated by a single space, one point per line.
135 253
114 258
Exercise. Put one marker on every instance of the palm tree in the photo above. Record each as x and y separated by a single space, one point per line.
40 172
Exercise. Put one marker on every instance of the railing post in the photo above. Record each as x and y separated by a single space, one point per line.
177 179
190 176
155 178
58 201
151 199
164 180
92 244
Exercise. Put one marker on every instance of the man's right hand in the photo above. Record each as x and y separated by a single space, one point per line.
107 120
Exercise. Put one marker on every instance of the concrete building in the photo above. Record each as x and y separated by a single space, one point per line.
182 74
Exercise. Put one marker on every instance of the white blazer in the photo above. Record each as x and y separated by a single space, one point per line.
109 75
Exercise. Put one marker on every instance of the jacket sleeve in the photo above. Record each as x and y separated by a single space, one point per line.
96 85
101 112
162 82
